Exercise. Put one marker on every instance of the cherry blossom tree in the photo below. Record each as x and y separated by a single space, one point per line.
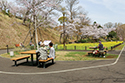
77 14
38 12
95 32
76 19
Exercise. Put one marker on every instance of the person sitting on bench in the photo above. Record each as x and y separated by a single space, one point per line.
52 51
101 49
100 46
43 52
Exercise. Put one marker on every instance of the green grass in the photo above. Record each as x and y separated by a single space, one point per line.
80 56
73 54
111 56
119 47
68 56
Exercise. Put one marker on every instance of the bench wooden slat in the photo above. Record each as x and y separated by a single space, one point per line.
20 58
45 60
90 52
15 59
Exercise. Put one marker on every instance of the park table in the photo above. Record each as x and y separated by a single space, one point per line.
32 52
95 48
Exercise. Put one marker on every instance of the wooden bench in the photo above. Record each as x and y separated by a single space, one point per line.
90 53
44 61
104 52
20 58
98 53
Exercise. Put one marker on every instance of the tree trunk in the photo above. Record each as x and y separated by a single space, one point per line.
34 39
60 38
40 34
67 36
77 38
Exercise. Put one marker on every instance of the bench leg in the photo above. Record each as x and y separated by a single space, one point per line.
38 64
105 52
15 63
94 55
37 60
43 65
52 61
27 60
90 54
32 59
101 54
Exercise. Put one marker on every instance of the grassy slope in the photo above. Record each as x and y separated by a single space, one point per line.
13 32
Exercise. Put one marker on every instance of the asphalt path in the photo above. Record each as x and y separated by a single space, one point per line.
101 71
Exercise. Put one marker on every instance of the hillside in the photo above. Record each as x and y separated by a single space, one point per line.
123 26
13 32
121 32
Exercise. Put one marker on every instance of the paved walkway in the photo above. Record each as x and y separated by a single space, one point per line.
64 72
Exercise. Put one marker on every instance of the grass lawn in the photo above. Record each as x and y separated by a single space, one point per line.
67 56
79 56
119 47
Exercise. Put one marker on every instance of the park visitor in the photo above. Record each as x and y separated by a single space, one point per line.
52 51
40 42
101 49
100 46
43 52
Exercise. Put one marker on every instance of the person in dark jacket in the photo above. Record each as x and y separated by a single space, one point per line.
101 49
100 46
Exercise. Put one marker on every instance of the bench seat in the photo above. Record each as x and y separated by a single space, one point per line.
90 53
20 58
98 53
48 59
44 61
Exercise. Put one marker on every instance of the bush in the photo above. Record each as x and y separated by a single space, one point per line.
86 40
32 47
90 40
82 41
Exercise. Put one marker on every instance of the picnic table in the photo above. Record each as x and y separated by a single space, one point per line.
94 51
32 52
95 48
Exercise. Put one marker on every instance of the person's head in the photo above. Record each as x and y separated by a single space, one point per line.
100 42
50 44
42 45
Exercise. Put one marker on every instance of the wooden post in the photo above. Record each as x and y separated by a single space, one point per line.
7 49
65 47
85 47
111 48
75 47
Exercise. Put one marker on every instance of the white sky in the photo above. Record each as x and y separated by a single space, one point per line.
103 11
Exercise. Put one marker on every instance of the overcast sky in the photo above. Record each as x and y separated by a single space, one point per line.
103 11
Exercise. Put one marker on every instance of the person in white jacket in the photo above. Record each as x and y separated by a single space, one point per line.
52 51
43 52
